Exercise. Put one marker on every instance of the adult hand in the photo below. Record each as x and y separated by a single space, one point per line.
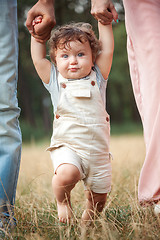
45 9
104 11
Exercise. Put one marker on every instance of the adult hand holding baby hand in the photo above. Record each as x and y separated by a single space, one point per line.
42 31
104 11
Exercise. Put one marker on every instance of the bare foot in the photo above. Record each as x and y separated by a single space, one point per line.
64 212
87 217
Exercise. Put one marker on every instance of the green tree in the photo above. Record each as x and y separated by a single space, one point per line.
120 100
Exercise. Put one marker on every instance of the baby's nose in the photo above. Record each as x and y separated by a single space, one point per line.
73 60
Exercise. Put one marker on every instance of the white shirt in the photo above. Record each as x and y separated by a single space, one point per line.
53 86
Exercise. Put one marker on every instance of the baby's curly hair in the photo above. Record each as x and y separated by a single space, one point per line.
63 35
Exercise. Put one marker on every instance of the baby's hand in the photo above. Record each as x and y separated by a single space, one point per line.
37 20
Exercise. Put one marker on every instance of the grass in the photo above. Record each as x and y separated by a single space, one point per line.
122 218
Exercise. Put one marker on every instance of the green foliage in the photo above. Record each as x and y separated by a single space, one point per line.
134 128
31 133
120 100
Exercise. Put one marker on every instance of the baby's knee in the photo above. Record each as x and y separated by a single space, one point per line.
68 174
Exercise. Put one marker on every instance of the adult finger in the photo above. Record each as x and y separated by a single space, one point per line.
104 19
105 11
30 18
46 26
114 12
106 16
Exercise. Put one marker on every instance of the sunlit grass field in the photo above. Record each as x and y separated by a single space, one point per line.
122 217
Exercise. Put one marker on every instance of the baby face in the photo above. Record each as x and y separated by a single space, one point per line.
74 61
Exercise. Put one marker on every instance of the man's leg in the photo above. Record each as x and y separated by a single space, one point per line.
142 24
10 135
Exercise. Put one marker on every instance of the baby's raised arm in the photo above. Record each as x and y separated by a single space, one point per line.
41 63
104 59
38 53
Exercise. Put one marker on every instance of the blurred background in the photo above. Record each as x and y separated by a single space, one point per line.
34 100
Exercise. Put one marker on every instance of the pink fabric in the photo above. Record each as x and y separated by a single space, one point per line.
143 44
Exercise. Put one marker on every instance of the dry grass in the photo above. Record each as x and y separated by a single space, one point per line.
122 217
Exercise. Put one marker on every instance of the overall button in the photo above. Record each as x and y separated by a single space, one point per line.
107 119
63 85
93 83
57 116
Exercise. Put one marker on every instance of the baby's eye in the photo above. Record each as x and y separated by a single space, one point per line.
64 56
80 54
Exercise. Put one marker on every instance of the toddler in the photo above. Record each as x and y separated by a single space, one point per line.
76 78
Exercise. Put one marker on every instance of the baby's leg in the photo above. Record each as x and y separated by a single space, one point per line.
64 180
95 205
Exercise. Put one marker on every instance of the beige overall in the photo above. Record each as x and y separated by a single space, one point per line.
82 126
